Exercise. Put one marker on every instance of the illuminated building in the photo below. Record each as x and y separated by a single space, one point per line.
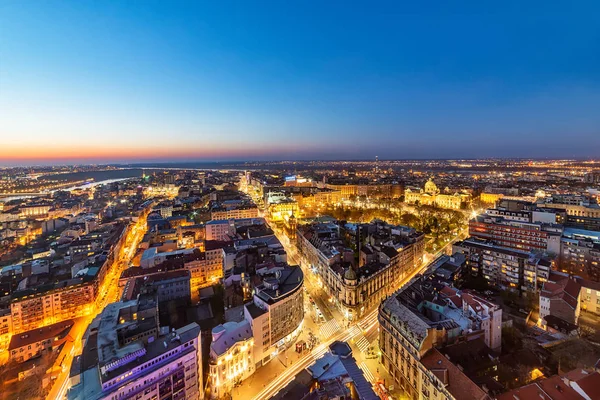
34 210
167 190
519 235
27 345
280 207
560 297
31 309
431 195
590 296
125 356
276 313
395 251
574 205
490 198
418 319
220 230
5 329
580 253
204 273
321 197
234 212
231 356
390 190
504 267
272 322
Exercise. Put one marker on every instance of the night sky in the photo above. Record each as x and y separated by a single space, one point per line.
104 81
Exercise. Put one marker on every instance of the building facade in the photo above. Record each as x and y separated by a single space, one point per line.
528 236
355 290
504 267
412 323
430 195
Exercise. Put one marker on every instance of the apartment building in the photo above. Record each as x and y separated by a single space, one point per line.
272 322
560 297
580 253
225 212
126 355
231 357
415 321
36 308
527 236
504 267
27 345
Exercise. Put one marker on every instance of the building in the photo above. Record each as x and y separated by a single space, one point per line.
167 286
227 212
337 375
350 190
573 205
560 297
34 210
430 195
393 253
574 385
27 345
590 296
490 198
272 322
527 236
221 230
505 267
126 355
5 328
231 357
580 253
276 313
280 207
31 309
415 321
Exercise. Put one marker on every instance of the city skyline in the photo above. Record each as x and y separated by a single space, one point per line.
101 83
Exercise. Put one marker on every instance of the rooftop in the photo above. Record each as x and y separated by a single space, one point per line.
40 334
455 381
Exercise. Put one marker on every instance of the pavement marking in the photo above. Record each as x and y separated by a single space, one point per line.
362 343
355 331
329 328
367 372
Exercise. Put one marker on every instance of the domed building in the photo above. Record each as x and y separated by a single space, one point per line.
430 195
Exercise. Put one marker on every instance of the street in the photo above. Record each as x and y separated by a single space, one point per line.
108 293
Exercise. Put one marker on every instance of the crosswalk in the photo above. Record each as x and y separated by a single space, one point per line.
368 374
361 342
329 328
357 336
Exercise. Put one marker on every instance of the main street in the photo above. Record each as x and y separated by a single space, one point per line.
108 292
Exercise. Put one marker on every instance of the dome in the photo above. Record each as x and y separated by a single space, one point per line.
431 187
350 275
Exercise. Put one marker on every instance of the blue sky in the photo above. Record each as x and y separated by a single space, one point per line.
143 80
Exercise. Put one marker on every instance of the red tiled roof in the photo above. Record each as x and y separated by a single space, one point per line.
590 385
552 388
459 385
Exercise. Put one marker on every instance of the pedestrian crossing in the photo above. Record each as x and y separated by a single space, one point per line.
368 374
361 342
329 328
